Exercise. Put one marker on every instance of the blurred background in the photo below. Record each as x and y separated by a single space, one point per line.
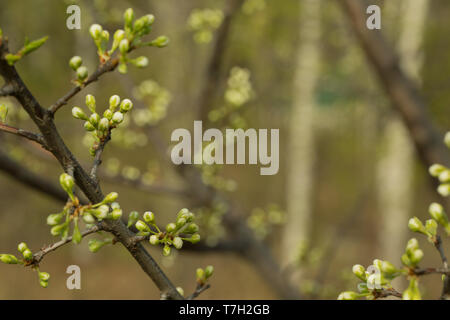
349 178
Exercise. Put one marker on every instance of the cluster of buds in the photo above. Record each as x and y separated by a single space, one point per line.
29 47
27 260
439 217
442 173
376 277
204 274
101 126
183 229
76 64
203 22
3 112
73 211
413 254
126 40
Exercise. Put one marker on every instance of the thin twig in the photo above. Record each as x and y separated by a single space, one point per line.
108 66
98 155
37 138
198 291
384 293
38 256
446 286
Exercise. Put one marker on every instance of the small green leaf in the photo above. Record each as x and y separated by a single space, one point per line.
3 112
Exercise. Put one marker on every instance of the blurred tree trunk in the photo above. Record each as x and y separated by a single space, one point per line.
301 154
395 168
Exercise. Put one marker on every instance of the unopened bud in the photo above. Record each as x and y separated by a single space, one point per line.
95 30
178 243
348 295
114 101
67 183
154 240
444 189
27 254
22 247
149 217
128 17
78 113
141 226
195 238
431 226
53 219
359 271
447 139
415 225
94 119
116 214
75 62
436 169
103 125
90 102
160 42
166 251
416 256
111 197
192 228
141 62
8 259
437 212
388 267
132 218
126 105
88 218
82 73
180 291
88 126
171 227
209 270
444 176
124 46
43 284
200 273
117 117
180 222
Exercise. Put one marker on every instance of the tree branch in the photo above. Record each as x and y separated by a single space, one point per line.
38 256
44 120
403 92
108 66
37 138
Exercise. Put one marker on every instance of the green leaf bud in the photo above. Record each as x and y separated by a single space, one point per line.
180 291
94 119
44 276
126 105
142 226
75 62
108 114
27 254
117 117
82 73
78 113
128 17
359 271
124 46
166 251
412 292
103 212
412 244
90 102
96 31
437 212
171 227
415 225
22 247
154 239
388 268
195 238
115 205
362 287
33 45
416 256
3 112
200 273
444 189
209 270
88 126
116 214
132 218
8 259
348 295
141 62
119 35
114 102
105 35
55 218
180 222
149 217
447 139
122 68
76 235
436 169
103 125
43 284
183 212
95 245
160 42
88 218
177 243
405 260
431 226
111 197
58 229
192 228
444 176
67 183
